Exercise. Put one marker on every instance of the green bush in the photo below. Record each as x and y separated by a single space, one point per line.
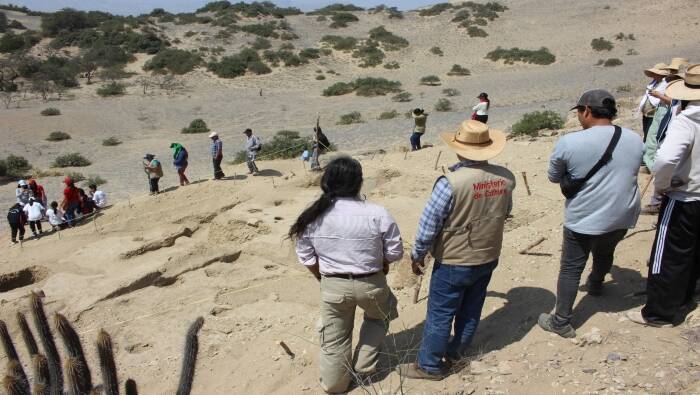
285 144
402 97
258 67
15 24
321 18
267 29
388 115
261 43
339 89
229 67
177 61
49 112
474 31
333 8
287 46
341 19
75 176
389 41
541 56
58 136
443 105
369 54
431 80
288 36
15 166
531 123
310 53
71 160
350 118
11 42
190 33
367 87
320 77
450 92
196 126
437 51
340 43
632 52
612 62
461 16
111 142
95 180
458 70
601 44
3 168
112 89
436 9
65 20
392 65
3 22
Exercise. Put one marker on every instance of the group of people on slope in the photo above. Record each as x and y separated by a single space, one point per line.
154 169
31 207
348 243
420 118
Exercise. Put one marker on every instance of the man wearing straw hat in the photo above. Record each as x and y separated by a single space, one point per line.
650 101
675 260
462 227
597 169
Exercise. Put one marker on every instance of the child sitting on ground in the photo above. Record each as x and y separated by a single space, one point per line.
56 217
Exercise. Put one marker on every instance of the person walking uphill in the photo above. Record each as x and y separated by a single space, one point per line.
347 243
217 155
603 200
180 157
462 227
420 117
154 170
252 147
34 212
481 110
675 258
16 219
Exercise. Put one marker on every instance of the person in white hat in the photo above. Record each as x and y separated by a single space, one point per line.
650 101
23 193
217 155
675 259
462 227
597 171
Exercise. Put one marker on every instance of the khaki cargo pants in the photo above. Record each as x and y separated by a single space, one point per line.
339 299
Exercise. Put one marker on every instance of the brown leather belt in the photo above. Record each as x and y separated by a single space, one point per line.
349 276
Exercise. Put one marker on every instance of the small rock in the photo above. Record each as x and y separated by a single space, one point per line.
254 222
592 337
476 367
589 370
504 368
274 297
470 389
613 356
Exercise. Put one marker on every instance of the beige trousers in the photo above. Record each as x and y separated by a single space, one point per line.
339 299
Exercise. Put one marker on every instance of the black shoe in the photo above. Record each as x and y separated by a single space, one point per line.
594 288
545 322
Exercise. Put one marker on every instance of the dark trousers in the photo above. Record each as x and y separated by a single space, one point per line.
457 295
35 226
482 118
415 141
576 247
17 229
675 262
71 213
183 177
646 124
218 173
153 182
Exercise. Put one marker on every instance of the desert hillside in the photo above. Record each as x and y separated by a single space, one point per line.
145 268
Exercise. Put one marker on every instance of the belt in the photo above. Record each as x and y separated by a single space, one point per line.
349 276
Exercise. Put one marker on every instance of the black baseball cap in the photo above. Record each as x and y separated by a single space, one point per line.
595 98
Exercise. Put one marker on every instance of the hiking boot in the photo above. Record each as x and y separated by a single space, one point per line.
414 371
651 209
638 318
594 288
546 322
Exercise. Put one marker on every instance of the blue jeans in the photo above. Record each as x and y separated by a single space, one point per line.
415 141
457 294
70 213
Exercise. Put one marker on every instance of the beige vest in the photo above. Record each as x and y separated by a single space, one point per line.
473 233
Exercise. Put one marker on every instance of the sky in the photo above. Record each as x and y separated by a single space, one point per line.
136 7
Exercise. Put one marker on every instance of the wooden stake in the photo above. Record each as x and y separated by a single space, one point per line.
443 170
234 178
273 182
416 289
286 348
438 159
405 154
374 153
644 190
525 250
527 185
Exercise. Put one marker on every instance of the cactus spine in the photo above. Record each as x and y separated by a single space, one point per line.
52 357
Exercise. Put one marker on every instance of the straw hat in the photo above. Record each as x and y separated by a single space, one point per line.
658 69
474 140
213 134
689 87
676 64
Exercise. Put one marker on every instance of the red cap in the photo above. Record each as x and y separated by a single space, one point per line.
67 181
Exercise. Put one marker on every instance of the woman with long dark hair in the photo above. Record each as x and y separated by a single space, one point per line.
481 110
347 243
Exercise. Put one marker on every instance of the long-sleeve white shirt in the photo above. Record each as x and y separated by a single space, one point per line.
34 211
677 162
482 108
653 86
352 237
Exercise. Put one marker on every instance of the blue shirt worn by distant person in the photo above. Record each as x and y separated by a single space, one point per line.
610 200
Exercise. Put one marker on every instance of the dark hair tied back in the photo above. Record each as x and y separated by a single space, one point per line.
341 179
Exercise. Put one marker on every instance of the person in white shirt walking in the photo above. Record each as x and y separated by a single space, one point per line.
347 243
35 212
675 259
650 101
481 110
253 145
97 196
55 217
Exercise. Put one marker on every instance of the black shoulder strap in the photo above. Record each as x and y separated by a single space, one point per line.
607 156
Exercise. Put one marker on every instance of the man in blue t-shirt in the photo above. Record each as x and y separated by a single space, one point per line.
598 217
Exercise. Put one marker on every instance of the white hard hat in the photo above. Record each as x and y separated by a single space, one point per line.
213 134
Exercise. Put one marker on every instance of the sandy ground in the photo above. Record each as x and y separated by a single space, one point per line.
148 266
